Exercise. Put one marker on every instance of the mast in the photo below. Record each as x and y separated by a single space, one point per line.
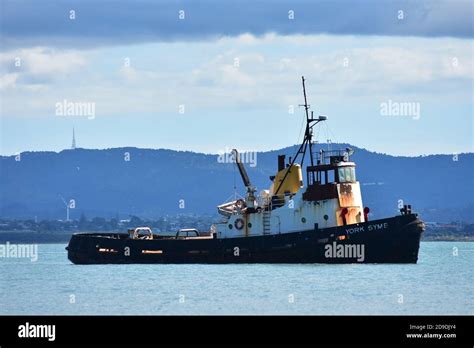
308 135
309 129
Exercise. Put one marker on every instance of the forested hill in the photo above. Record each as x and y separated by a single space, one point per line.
151 183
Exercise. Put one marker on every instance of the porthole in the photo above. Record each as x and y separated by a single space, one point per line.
230 226
249 225
326 217
303 220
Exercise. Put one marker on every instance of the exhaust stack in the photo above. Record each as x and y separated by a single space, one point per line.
281 162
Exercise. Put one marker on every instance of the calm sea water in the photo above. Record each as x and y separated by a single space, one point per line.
441 283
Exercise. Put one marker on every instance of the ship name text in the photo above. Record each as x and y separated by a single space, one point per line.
374 227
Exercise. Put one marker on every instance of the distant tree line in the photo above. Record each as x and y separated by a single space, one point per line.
60 230
171 223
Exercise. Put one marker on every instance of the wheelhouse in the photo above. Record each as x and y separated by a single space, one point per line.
331 174
332 168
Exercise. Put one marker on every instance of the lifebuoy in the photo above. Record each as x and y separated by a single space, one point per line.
239 224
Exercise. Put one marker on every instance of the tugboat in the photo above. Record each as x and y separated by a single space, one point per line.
322 222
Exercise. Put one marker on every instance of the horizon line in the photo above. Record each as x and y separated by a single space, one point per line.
218 153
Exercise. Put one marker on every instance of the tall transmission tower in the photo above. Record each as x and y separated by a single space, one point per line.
73 146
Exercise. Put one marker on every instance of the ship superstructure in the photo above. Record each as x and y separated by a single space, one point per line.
330 198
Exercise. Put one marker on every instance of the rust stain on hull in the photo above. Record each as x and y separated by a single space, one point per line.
346 196
349 198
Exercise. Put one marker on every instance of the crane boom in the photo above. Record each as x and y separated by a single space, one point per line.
242 171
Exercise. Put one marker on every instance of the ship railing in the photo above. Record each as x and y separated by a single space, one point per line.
271 202
278 201
324 156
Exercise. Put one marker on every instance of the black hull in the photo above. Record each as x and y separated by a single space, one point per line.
392 240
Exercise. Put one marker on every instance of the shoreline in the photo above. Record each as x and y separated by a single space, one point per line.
30 237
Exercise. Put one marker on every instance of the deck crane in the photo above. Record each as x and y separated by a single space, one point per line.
250 197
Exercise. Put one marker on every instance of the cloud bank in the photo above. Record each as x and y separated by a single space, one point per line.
117 22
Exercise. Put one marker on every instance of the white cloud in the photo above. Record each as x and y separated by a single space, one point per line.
272 38
245 71
8 80
41 61
27 66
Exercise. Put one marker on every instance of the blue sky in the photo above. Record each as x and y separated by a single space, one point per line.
236 71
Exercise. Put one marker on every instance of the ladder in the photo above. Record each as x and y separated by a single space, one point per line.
266 221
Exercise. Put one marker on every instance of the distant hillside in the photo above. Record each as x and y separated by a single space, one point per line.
152 183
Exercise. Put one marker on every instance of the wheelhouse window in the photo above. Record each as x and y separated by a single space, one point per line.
332 176
323 177
347 174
